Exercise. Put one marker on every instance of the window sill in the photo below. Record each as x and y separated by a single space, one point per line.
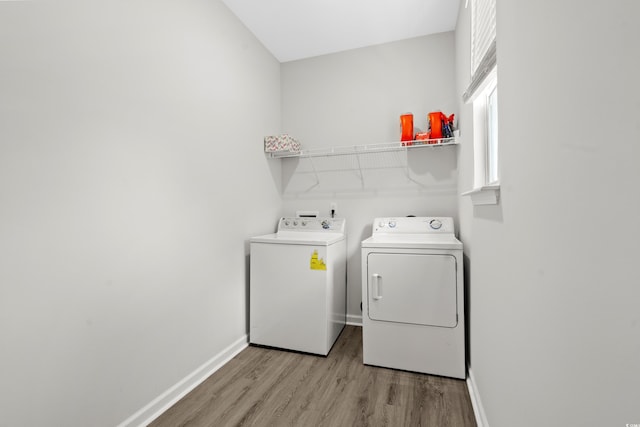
485 195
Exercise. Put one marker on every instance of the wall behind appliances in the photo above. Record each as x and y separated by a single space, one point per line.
131 174
554 316
356 97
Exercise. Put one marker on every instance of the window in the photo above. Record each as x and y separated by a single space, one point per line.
483 93
485 134
492 135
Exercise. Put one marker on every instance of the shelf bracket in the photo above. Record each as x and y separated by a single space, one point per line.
360 174
315 173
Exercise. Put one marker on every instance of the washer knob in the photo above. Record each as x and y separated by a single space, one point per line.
295 223
304 223
392 224
435 224
287 223
381 224
325 224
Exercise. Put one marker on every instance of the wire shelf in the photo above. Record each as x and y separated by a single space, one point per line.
363 149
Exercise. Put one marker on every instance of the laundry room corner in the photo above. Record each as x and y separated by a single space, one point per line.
328 101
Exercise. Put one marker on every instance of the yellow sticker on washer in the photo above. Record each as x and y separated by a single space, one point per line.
317 263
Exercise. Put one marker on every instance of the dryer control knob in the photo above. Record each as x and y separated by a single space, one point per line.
381 224
287 223
392 224
304 223
295 223
435 224
325 224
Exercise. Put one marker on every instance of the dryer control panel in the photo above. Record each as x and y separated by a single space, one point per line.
414 225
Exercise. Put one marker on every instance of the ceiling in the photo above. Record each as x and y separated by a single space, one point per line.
296 29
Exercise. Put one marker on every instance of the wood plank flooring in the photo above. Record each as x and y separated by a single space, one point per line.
268 387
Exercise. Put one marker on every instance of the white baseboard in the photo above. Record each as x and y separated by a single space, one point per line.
354 320
478 409
157 406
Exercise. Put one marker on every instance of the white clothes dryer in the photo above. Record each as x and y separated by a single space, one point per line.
297 285
413 296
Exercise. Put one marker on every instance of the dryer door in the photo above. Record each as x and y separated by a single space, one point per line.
412 288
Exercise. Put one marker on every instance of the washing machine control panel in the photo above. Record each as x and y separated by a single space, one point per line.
414 225
312 224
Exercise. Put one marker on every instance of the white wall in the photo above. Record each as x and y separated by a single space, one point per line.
554 292
131 175
356 97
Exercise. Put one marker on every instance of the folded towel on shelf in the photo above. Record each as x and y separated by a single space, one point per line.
284 142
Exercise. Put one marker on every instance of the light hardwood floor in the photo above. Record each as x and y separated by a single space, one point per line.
268 387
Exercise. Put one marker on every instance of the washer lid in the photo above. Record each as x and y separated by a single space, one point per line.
413 241
299 238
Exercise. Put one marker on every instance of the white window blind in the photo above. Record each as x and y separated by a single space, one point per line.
483 43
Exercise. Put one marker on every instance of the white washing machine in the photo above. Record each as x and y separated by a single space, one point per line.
413 296
298 284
